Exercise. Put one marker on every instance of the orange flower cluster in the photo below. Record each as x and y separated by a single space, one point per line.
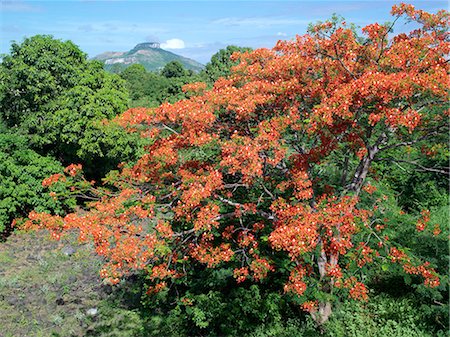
210 255
297 229
423 221
197 187
359 292
428 273
240 274
369 188
300 228
73 169
310 306
194 88
334 271
436 230
365 255
296 282
397 255
207 218
53 179
241 155
260 268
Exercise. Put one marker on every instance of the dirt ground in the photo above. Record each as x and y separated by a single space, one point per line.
47 287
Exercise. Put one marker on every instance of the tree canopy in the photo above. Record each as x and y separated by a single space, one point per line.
274 173
150 89
173 69
22 171
51 92
221 63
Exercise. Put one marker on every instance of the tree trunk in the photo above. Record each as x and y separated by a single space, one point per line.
362 170
324 308
322 314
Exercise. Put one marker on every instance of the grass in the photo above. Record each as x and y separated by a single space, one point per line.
44 292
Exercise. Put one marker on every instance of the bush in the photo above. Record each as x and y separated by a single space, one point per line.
21 173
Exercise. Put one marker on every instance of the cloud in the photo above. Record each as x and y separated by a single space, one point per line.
107 26
152 38
173 44
110 26
10 29
17 6
260 21
281 34
202 51
86 28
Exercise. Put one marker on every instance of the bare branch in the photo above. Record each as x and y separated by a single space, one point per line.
267 191
439 170
411 142
169 128
234 186
384 36
266 215
342 63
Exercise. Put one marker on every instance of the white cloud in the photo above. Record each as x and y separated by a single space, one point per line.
10 29
86 28
152 38
281 34
173 44
17 6
260 21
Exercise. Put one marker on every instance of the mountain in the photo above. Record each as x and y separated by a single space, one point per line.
149 54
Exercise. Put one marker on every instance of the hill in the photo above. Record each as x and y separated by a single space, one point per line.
149 54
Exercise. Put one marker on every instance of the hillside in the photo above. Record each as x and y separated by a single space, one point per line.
149 54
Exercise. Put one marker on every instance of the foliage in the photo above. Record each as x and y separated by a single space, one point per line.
384 316
173 69
21 173
221 63
267 174
53 93
221 312
117 322
36 72
149 89
247 312
219 309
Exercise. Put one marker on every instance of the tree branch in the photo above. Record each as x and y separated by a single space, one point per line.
411 142
439 170
266 215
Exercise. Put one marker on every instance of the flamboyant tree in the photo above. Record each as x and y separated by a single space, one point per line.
265 171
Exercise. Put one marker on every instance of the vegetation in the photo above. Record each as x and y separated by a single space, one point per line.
297 191
150 89
54 95
221 63
21 173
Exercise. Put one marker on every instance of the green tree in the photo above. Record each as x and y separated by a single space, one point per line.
51 92
21 173
136 77
35 73
220 63
173 69
150 89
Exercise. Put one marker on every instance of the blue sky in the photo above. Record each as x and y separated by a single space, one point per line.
195 29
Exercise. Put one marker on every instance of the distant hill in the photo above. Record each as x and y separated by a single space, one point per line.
149 54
